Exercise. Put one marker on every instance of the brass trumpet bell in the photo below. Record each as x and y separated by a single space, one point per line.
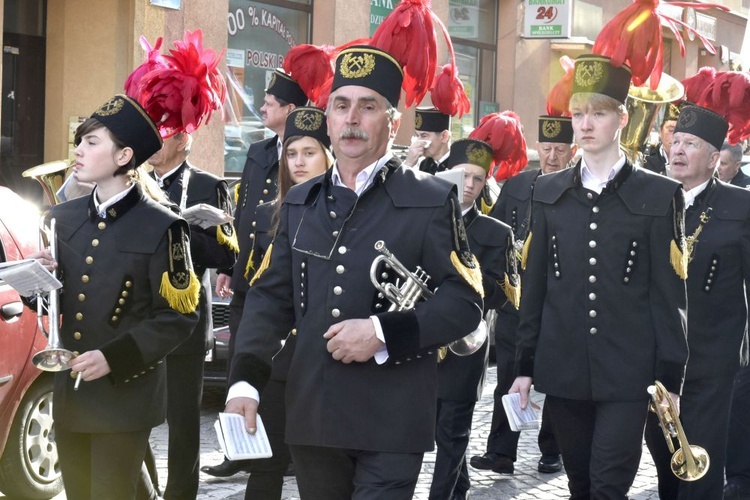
53 359
51 176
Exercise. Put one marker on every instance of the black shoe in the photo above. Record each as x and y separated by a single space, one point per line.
550 464
494 462
227 468
734 491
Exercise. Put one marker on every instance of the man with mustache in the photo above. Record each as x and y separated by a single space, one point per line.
361 387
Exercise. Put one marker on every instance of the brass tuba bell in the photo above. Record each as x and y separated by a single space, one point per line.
643 105
51 176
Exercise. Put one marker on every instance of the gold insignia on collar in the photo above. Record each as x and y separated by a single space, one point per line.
551 129
688 117
111 107
308 121
272 81
112 212
357 66
418 122
479 156
588 73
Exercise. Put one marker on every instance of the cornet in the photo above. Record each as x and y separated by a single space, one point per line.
689 462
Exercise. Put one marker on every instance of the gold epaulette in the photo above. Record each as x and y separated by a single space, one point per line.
473 274
679 259
485 207
237 193
226 236
512 292
179 284
249 266
525 251
184 300
263 265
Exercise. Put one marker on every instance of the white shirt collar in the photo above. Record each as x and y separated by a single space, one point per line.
101 208
160 178
691 195
365 178
594 183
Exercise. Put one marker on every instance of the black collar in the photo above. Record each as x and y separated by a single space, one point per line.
120 207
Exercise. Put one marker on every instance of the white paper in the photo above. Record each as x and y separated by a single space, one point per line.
518 419
454 176
236 442
28 277
205 215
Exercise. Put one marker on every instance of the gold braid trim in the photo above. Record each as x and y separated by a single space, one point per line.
473 276
263 265
512 292
184 300
679 260
249 266
525 251
485 207
227 241
237 192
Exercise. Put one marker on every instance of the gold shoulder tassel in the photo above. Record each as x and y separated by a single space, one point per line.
227 241
472 275
237 192
525 250
263 265
679 260
249 266
184 300
485 207
512 292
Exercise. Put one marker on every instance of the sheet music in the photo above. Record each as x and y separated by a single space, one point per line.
28 277
518 419
454 176
236 442
205 215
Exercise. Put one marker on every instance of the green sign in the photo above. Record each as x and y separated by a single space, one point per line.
379 9
488 107
547 30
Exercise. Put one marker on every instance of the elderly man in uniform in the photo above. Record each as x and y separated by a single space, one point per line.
431 141
556 148
258 185
657 159
213 247
361 387
730 161
605 241
717 225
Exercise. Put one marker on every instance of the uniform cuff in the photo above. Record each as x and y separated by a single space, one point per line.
242 390
401 332
123 356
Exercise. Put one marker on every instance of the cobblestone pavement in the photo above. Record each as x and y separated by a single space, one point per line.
525 484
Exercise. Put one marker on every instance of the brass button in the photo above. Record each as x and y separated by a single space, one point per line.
265 191
79 316
95 242
252 236
102 225
76 353
89 260
77 335
121 301
85 278
254 224
128 283
73 374
294 331
115 318
268 181
81 297
124 293
260 202
118 310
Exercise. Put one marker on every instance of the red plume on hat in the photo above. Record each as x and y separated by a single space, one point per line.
726 93
504 133
634 37
558 99
183 91
154 60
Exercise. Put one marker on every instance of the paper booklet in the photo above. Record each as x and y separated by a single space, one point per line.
205 215
236 442
28 277
454 176
518 419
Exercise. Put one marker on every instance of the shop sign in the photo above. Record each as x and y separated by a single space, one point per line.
547 18
464 22
705 25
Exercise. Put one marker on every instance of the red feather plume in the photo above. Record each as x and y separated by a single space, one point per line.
634 37
558 99
698 85
185 91
154 60
408 34
448 94
726 93
504 133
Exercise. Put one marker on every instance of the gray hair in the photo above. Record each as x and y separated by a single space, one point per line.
735 151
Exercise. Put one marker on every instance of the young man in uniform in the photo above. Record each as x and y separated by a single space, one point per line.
431 141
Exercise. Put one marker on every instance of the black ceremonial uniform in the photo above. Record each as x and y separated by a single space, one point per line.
740 180
112 270
460 378
717 325
210 248
656 160
513 207
603 311
319 275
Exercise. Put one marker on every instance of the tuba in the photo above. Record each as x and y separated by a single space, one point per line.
643 105
689 462
51 176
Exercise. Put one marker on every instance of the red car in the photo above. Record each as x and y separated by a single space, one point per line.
29 466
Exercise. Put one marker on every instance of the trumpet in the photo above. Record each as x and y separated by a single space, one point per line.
689 462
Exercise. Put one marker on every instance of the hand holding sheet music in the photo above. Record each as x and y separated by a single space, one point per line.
205 215
518 419
28 277
236 442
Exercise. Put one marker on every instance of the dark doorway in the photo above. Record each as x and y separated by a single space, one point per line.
22 118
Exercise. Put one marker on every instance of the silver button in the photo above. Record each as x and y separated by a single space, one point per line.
337 290
592 261
342 250
592 279
635 244
592 296
593 331
589 196
628 269
554 238
332 214
632 252
303 265
335 313
557 274
630 262
592 314
595 210
593 226
335 233
626 279
592 244
340 269
268 181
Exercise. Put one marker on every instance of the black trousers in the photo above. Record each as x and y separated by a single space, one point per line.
266 478
601 443
103 465
501 439
704 413
184 394
453 428
738 448
343 474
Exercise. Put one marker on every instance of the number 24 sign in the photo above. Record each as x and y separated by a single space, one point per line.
546 14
